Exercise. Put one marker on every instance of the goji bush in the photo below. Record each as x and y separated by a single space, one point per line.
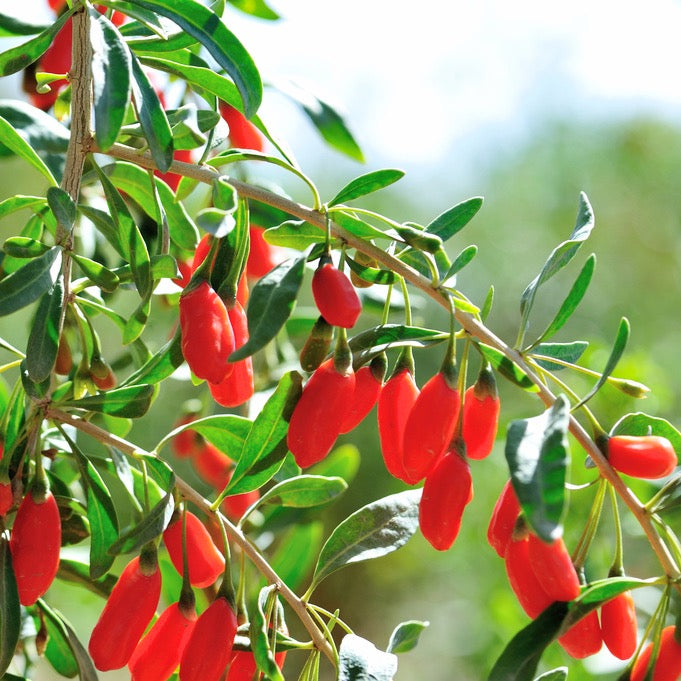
142 117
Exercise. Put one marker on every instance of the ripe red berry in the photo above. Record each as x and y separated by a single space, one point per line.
201 251
334 295
667 667
235 505
430 426
212 466
553 567
237 387
368 383
128 610
188 442
645 456
618 625
207 336
448 488
395 401
209 648
317 417
158 653
206 563
262 256
583 638
529 592
506 512
480 416
242 133
35 544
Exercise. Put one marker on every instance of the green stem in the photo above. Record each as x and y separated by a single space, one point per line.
584 543
386 306
617 568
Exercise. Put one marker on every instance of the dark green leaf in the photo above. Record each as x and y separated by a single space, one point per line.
58 651
42 131
566 352
371 274
99 275
29 282
86 668
79 573
294 234
295 556
217 222
381 338
152 22
10 610
374 530
137 320
367 184
453 220
270 305
161 365
131 401
459 263
360 660
304 491
405 636
62 206
159 471
356 226
204 25
506 368
537 455
43 341
227 432
265 446
110 78
11 26
257 8
18 145
639 423
260 640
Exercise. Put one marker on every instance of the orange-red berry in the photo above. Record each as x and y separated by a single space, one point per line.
644 456
583 638
618 625
553 567
335 296
667 667
504 516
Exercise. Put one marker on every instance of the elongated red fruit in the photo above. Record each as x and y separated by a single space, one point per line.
128 610
237 387
529 592
667 667
368 383
35 543
158 654
188 442
554 569
448 488
618 625
201 251
504 515
209 649
645 456
395 402
243 666
480 417
206 563
262 256
235 505
207 336
430 426
583 638
317 417
212 466
242 133
335 296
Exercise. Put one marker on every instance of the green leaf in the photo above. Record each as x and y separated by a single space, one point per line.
11 26
270 305
453 220
15 203
19 57
381 338
10 610
43 341
566 352
79 573
206 26
137 320
557 674
86 668
537 454
42 131
131 401
343 462
152 117
405 636
360 660
297 552
62 206
111 71
371 274
161 365
304 491
373 531
99 275
572 301
356 226
615 354
265 446
367 184
294 234
18 145
58 650
506 368
639 423
257 8
29 282
260 640
106 226
459 263
227 432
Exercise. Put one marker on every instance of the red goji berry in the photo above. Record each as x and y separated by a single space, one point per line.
529 592
243 665
158 654
185 270
206 563
207 336
235 505
209 648
262 256
317 417
334 295
553 567
201 251
583 638
101 373
446 492
188 442
480 416
667 667
645 456
317 345
504 516
212 466
128 610
35 544
618 625
242 133
368 383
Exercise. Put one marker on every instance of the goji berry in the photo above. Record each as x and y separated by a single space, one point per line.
35 544
235 505
644 456
480 416
128 610
529 592
207 336
206 563
553 567
158 653
334 295
212 466
667 667
504 516
209 648
64 362
618 625
446 492
262 256
185 270
243 665
201 251
583 638
101 373
188 442
242 133
368 383
317 345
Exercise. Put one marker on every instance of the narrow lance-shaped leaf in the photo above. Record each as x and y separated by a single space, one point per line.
10 611
371 274
161 365
454 219
506 367
260 642
62 206
304 491
566 352
11 26
58 650
257 8
43 132
99 275
17 144
86 669
360 660
405 636
29 282
367 184
110 78
226 431
459 263
132 401
537 455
